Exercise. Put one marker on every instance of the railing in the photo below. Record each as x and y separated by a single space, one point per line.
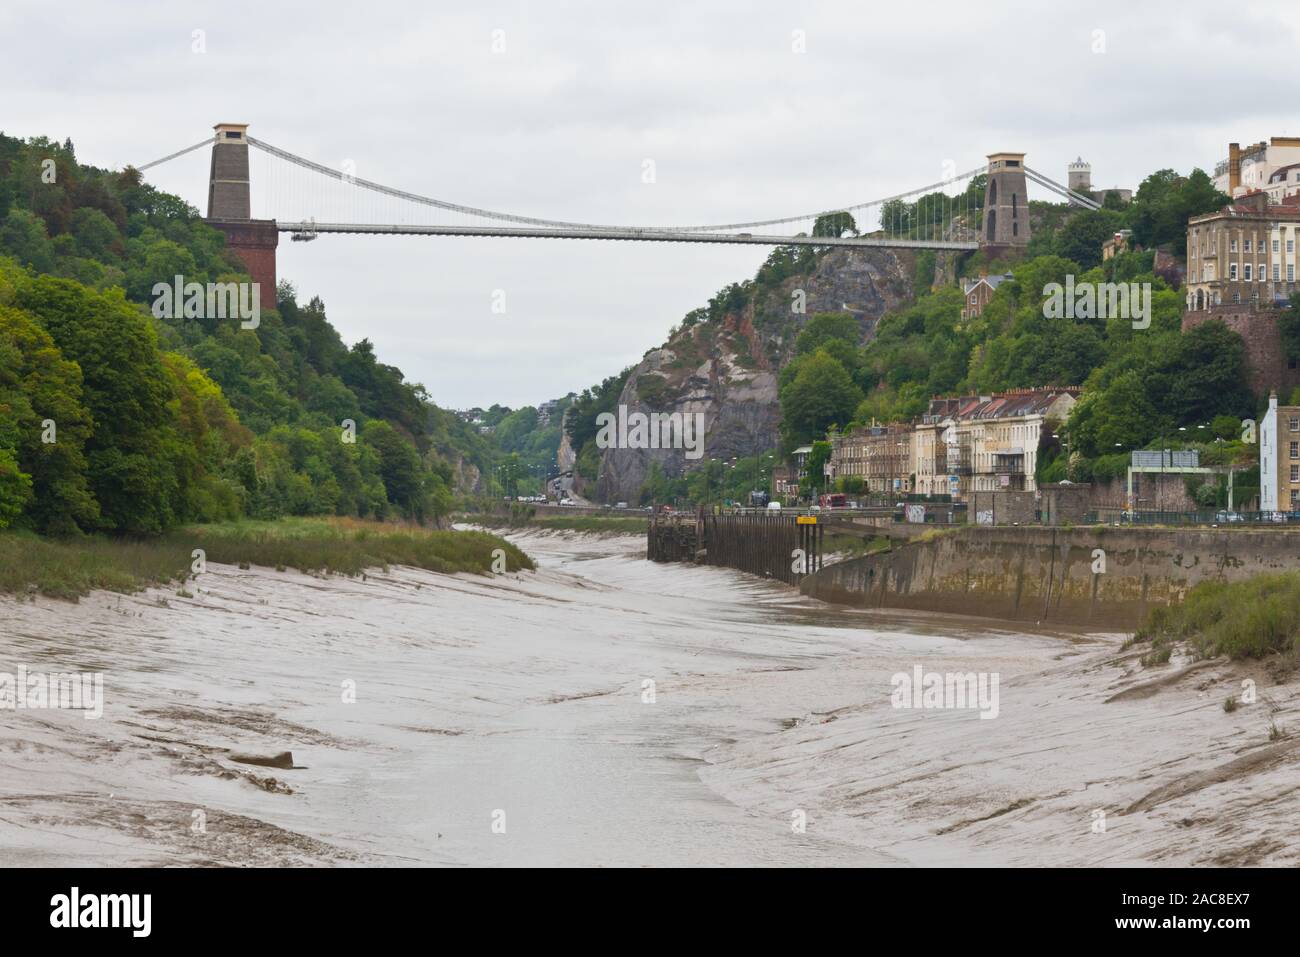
1221 518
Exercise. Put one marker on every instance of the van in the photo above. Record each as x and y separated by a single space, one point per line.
774 506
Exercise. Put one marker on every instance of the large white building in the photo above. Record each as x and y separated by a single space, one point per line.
1279 458
1252 167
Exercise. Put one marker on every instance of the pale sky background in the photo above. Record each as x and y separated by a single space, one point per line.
558 125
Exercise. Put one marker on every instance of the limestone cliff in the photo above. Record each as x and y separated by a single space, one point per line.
726 367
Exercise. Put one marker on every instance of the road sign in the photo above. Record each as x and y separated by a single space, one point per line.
805 520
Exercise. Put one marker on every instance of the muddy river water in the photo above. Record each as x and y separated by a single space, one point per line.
605 710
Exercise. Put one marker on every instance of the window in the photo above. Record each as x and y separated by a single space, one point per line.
1277 272
1232 245
1295 473
1247 247
1247 273
1290 272
972 299
1295 450
1232 271
1290 245
1261 273
1275 245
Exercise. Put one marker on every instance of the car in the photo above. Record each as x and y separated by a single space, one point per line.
620 504
568 501
774 506
1226 516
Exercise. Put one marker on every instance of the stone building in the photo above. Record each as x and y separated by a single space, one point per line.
1079 178
1118 243
1245 252
985 443
978 292
1279 458
1241 269
881 455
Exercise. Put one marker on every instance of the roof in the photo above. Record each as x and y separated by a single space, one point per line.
991 281
1279 174
999 405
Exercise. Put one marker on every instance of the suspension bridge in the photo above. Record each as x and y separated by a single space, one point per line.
306 198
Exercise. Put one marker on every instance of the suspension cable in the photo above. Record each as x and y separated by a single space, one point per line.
562 224
188 149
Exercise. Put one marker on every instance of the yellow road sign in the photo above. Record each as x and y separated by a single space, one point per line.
805 520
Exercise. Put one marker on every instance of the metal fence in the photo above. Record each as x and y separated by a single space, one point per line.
1219 518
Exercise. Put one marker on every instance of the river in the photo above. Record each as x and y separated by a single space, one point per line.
603 710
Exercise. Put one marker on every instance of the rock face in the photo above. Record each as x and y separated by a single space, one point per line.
727 370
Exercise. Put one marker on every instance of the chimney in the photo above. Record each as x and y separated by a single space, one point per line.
1234 167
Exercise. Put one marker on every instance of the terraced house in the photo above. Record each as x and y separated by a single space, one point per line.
961 445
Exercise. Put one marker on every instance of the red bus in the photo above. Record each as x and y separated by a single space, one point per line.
833 500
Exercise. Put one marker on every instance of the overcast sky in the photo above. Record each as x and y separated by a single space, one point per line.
559 123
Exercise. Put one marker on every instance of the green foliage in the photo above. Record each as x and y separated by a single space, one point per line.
835 225
580 422
818 393
1081 237
161 421
826 327
1245 619
816 464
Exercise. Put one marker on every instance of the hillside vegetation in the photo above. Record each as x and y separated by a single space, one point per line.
113 420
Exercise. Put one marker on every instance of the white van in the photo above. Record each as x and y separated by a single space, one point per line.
774 506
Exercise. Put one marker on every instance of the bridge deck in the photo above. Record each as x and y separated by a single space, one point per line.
627 235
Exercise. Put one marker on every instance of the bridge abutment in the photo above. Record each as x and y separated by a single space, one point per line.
1006 203
253 241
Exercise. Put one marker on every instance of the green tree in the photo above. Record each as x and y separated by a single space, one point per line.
40 398
132 453
820 394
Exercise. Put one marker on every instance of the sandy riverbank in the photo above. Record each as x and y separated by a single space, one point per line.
523 699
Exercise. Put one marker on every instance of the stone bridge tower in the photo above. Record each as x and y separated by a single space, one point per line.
230 208
1006 202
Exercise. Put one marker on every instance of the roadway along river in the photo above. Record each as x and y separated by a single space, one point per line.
511 720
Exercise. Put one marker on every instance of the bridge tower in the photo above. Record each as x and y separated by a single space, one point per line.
1006 202
230 208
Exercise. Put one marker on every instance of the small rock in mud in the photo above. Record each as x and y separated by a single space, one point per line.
282 760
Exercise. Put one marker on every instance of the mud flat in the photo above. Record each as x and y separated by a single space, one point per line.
608 710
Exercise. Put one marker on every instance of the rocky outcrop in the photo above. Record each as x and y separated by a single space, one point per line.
727 370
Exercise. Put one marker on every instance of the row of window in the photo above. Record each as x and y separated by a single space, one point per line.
1246 244
1261 274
